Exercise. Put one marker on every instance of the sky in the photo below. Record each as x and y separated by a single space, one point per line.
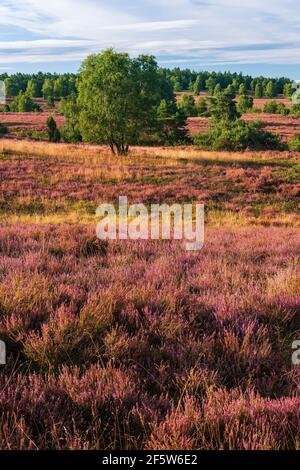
258 37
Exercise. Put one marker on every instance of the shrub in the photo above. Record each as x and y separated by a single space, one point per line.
53 132
172 124
3 129
24 104
295 110
6 108
187 105
222 107
201 108
245 103
238 135
274 107
294 144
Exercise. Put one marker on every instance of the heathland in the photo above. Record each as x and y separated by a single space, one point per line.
140 344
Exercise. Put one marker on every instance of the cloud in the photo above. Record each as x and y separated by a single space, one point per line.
199 32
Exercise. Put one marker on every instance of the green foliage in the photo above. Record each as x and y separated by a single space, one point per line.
187 105
245 103
48 88
294 144
217 89
201 107
223 107
3 129
270 89
50 102
242 89
118 99
24 104
58 86
70 109
33 88
61 87
288 90
237 135
275 107
259 92
229 132
172 124
52 130
211 84
295 110
5 109
199 85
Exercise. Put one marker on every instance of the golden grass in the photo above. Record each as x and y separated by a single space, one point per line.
215 219
95 153
286 281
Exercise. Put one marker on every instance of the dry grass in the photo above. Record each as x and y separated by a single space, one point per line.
95 153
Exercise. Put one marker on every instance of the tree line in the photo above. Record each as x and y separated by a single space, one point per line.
54 86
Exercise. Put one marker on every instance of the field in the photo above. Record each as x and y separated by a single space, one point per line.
141 344
286 126
22 125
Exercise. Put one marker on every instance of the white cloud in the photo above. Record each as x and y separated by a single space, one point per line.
202 32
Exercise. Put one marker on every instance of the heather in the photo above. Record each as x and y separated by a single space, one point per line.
141 344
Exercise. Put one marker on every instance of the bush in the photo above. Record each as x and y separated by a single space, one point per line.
274 107
238 135
187 106
53 132
294 144
201 108
71 131
24 104
6 108
245 103
3 129
295 110
172 124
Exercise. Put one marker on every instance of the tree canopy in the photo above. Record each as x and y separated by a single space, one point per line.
118 98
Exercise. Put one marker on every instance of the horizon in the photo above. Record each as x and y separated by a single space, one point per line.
182 33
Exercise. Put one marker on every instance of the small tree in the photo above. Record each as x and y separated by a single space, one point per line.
201 107
187 105
53 132
32 88
210 85
50 102
198 85
3 129
258 91
295 110
6 108
24 104
288 90
294 144
270 91
172 124
242 89
245 103
48 89
71 131
223 107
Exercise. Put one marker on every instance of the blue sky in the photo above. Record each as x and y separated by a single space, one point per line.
259 37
